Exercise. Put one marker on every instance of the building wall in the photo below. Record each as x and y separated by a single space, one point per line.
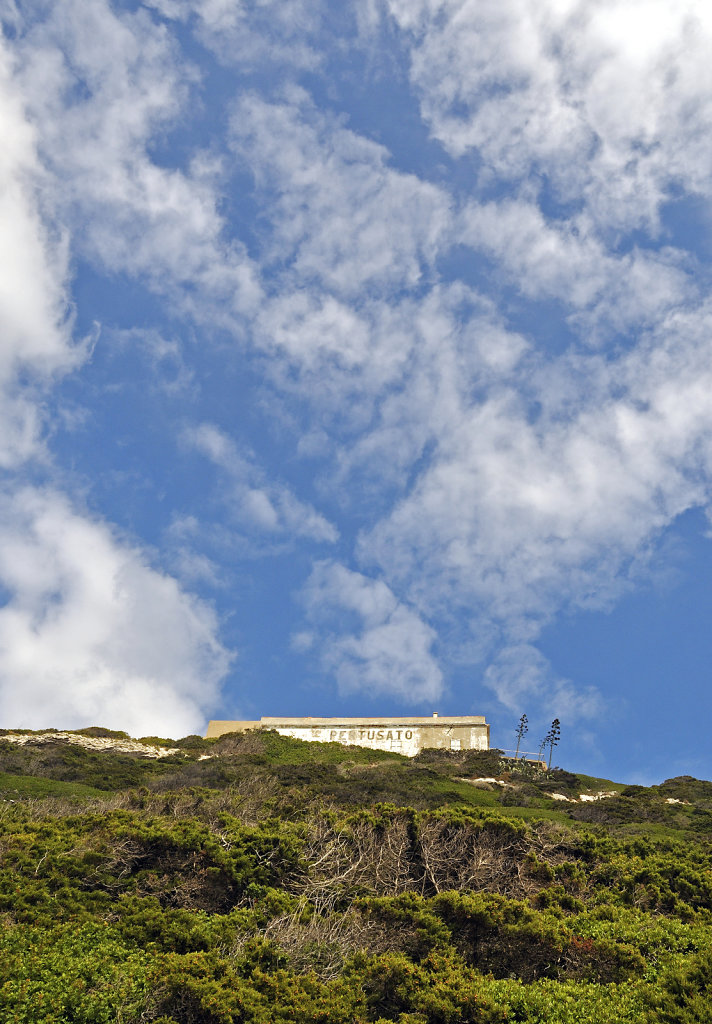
407 735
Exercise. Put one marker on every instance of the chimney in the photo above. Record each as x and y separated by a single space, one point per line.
435 714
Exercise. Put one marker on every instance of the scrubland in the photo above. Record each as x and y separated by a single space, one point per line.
260 879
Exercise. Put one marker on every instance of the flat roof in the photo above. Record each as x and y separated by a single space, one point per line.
316 723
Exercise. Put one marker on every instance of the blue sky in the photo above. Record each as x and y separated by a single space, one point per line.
357 359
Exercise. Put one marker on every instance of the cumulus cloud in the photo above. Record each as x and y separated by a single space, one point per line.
497 479
606 293
546 484
253 34
258 504
100 84
520 676
355 320
518 517
340 215
610 101
90 633
369 641
35 338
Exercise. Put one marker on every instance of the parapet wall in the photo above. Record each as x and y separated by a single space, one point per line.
408 735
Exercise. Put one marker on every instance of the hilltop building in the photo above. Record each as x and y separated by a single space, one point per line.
408 735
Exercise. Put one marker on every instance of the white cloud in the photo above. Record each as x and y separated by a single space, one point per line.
88 631
267 32
90 634
101 86
611 100
368 640
429 356
521 678
518 516
607 293
255 502
496 482
252 34
341 217
35 336
535 482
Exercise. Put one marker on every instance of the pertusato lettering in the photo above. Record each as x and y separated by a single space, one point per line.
422 733
344 736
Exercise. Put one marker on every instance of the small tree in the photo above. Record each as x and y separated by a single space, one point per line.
522 730
542 748
553 738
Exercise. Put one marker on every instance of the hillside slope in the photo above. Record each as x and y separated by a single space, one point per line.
260 879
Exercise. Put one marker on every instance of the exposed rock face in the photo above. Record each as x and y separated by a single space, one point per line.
124 746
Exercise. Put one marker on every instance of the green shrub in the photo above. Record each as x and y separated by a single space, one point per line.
102 733
684 994
85 975
284 881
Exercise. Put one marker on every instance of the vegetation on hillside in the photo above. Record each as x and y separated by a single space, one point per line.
255 879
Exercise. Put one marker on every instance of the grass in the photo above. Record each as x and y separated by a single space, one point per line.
534 814
24 787
592 783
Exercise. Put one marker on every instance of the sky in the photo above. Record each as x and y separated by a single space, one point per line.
356 359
